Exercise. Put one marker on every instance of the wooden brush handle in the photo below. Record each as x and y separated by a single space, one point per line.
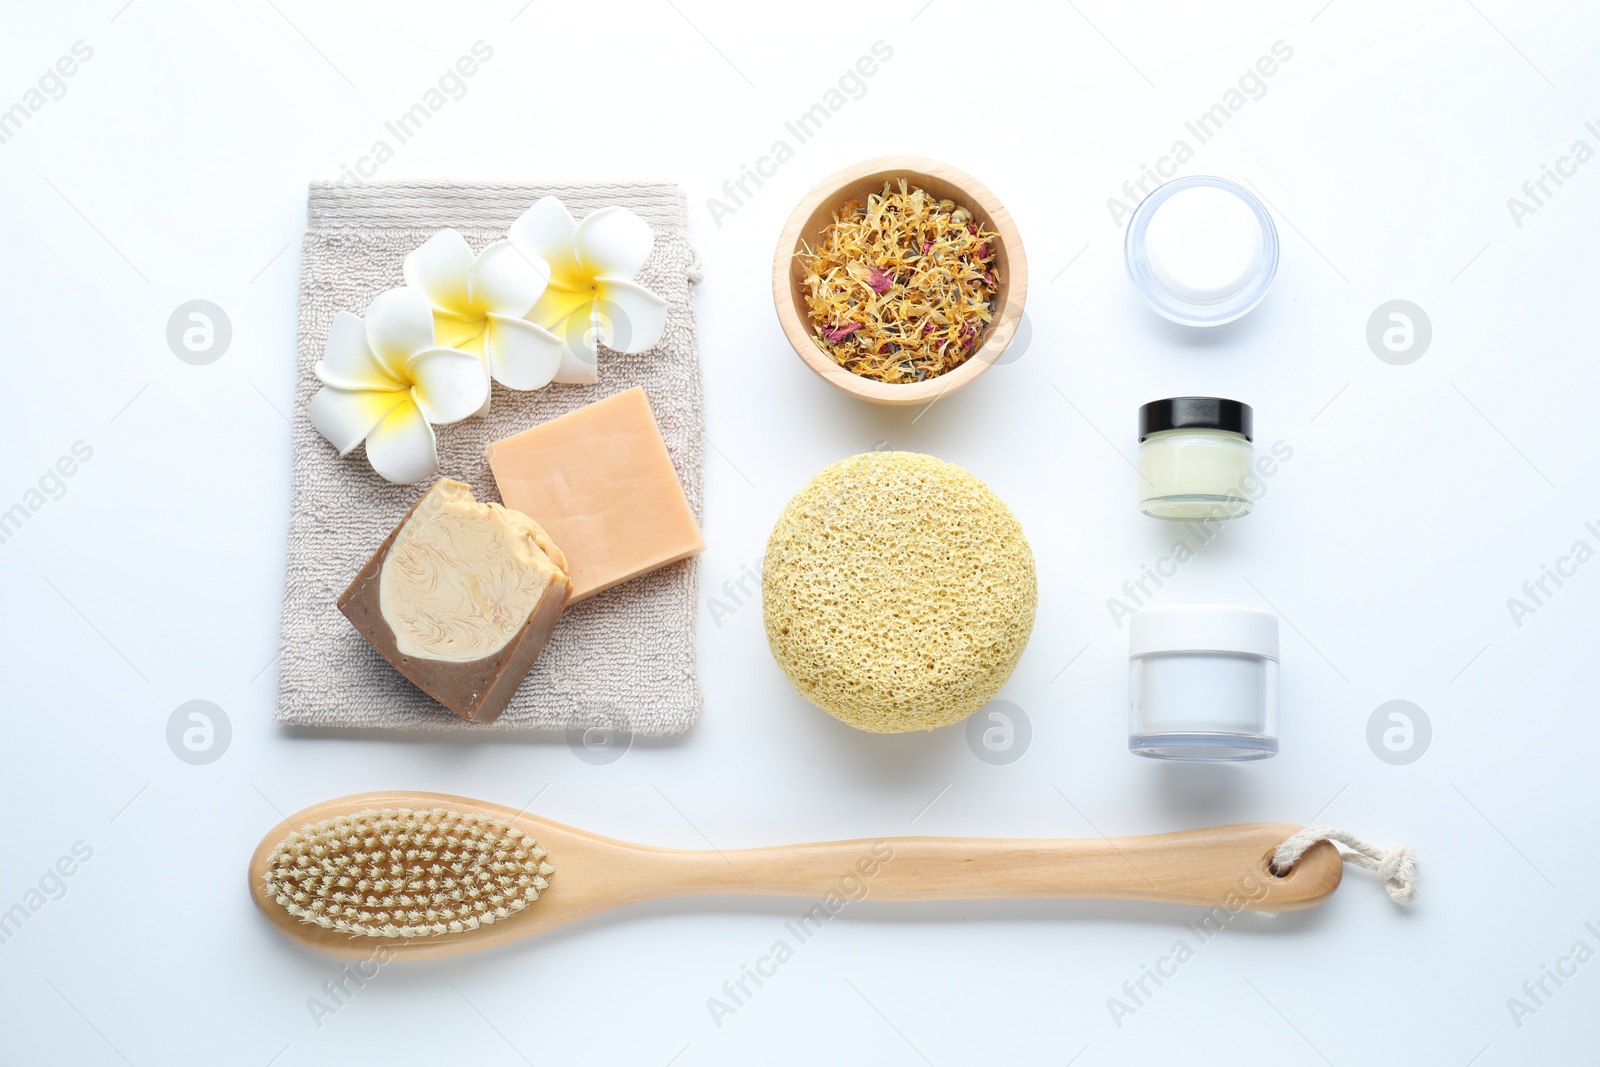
1224 866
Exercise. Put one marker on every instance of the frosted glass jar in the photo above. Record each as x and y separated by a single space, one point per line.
1195 457
1203 683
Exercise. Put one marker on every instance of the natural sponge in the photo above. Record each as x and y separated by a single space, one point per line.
898 592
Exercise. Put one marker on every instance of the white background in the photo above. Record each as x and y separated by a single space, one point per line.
1418 499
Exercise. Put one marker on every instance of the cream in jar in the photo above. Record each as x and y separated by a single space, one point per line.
1195 457
1202 251
1203 683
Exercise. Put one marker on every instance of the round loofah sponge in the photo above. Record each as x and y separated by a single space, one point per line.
898 592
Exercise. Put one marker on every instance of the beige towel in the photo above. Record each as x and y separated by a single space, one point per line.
622 660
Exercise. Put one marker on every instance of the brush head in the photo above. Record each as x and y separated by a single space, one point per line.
405 872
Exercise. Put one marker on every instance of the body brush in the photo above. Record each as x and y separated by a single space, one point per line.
434 875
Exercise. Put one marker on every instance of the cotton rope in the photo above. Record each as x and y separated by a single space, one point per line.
1396 865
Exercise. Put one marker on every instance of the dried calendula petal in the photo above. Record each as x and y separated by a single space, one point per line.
901 287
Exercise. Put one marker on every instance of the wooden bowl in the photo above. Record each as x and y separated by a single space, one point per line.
812 217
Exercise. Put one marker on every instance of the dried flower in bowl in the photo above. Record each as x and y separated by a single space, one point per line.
900 288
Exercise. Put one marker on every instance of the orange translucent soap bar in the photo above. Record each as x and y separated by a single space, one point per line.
600 482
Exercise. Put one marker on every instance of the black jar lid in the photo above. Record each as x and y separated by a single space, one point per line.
1197 413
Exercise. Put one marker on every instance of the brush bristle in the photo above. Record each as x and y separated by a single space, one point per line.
400 872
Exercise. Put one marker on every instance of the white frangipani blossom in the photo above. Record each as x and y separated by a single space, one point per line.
479 303
387 383
591 296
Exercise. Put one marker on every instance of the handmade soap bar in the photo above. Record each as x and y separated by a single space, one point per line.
600 481
461 598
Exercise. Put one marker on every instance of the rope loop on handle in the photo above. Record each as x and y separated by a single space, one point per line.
1396 865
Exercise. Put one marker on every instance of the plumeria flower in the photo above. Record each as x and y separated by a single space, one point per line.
591 297
479 302
385 382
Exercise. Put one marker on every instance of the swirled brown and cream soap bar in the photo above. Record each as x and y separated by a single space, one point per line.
461 598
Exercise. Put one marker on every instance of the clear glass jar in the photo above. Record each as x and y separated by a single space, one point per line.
1195 458
1202 251
1203 683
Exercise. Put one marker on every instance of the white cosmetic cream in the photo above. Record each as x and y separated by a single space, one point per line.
1195 457
1204 244
1202 251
